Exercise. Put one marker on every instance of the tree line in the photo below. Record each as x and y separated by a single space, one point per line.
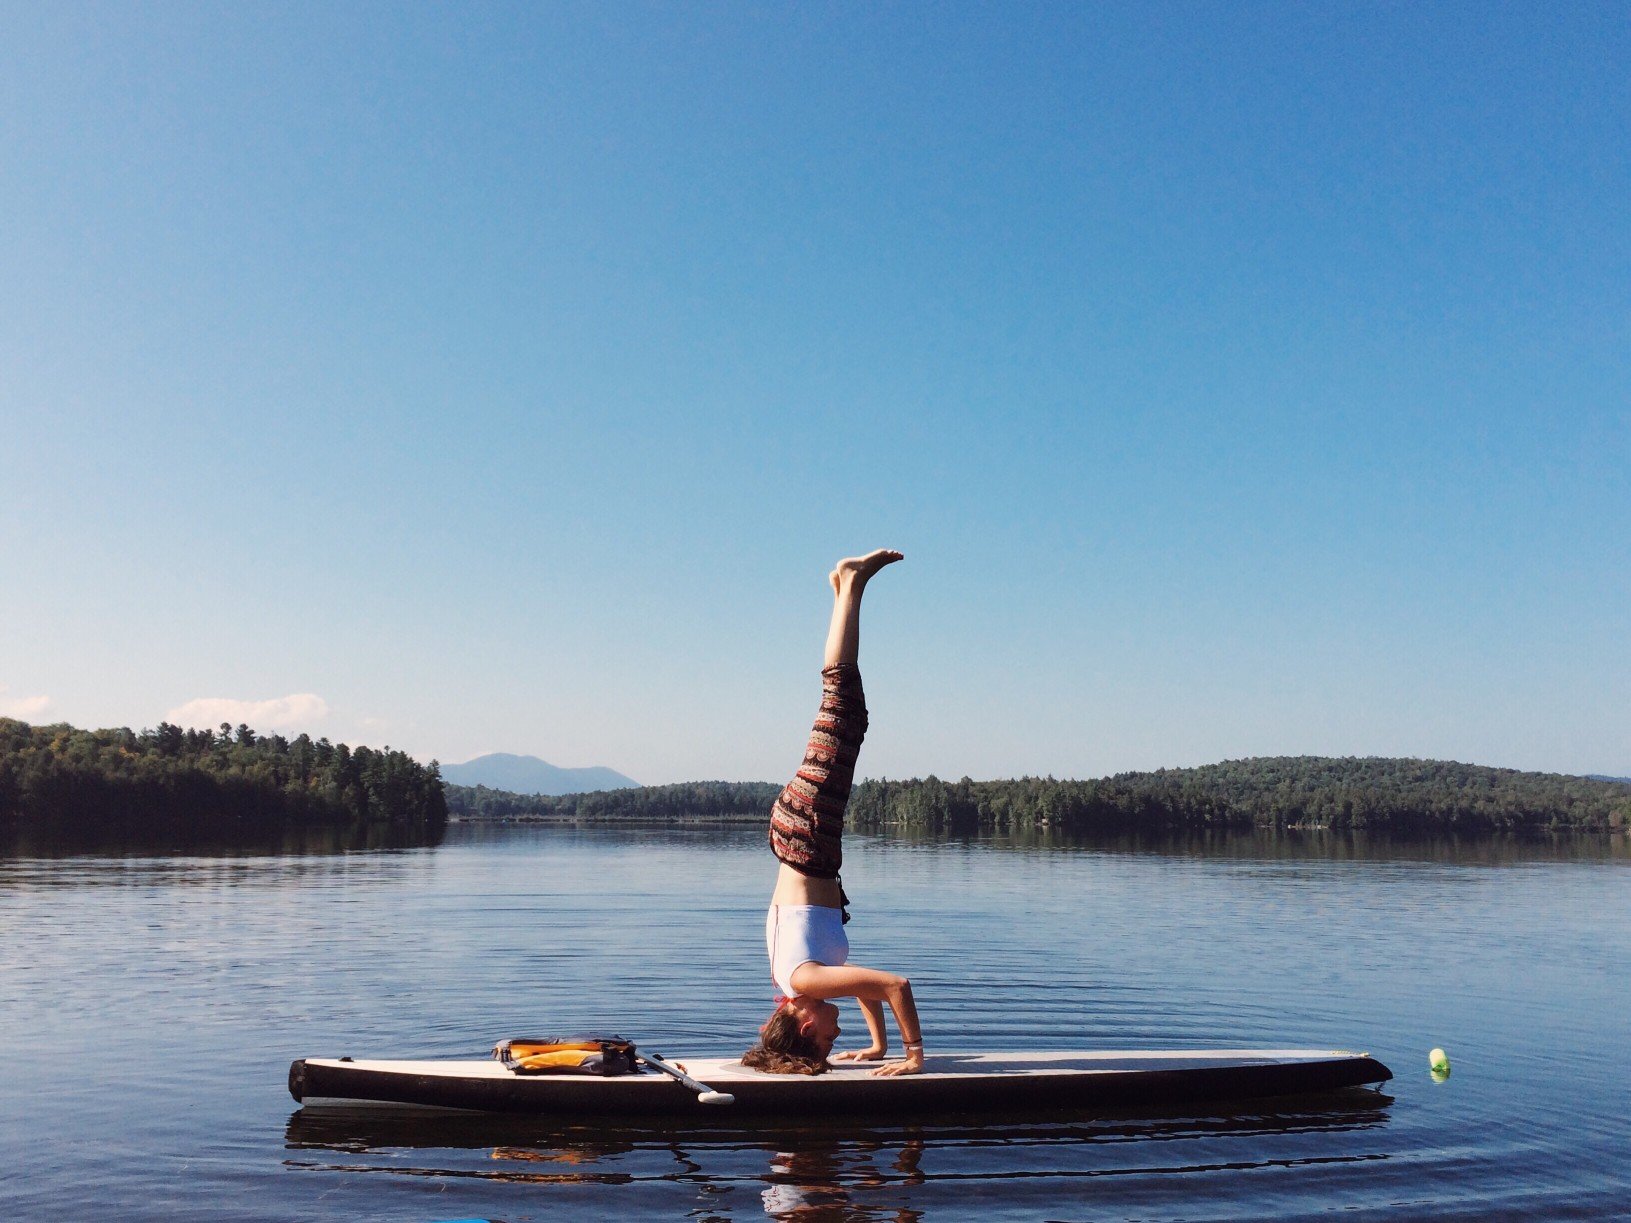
171 782
686 799
176 782
1380 794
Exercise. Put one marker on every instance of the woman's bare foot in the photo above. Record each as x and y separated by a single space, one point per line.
857 569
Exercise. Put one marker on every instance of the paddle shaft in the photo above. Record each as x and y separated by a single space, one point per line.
705 1094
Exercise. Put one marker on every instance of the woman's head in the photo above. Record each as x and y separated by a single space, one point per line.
796 1039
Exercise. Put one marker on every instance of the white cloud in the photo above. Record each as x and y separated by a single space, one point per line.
293 712
23 708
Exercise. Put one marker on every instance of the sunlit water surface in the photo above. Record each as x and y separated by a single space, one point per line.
149 1007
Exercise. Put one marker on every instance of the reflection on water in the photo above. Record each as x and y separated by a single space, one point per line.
206 871
836 1169
1293 844
1321 845
121 843
829 1184
361 1128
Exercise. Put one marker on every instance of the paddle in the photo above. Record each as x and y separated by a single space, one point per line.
705 1094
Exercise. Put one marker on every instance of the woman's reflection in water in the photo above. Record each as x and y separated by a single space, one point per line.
826 1184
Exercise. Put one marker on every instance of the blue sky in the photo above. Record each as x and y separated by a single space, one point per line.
1238 379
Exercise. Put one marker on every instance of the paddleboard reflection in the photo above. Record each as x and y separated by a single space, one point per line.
836 1170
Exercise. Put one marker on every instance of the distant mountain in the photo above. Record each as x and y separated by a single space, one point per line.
530 775
1606 777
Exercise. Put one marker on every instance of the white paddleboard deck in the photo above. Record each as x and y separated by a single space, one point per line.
981 1082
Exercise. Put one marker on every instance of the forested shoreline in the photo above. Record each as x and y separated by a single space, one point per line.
236 784
1374 793
1379 794
169 783
691 799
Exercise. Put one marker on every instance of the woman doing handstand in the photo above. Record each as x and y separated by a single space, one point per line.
804 930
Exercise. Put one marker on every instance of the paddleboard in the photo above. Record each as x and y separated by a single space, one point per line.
978 1082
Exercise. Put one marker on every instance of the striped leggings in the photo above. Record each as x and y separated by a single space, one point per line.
807 819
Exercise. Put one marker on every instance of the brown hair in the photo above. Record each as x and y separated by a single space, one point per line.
783 1049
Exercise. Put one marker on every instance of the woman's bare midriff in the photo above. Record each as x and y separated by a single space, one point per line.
792 888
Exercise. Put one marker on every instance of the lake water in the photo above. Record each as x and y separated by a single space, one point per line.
149 1007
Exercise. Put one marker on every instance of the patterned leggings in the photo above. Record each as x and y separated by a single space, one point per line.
807 820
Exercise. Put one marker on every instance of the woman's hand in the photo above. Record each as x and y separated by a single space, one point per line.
912 1065
860 1055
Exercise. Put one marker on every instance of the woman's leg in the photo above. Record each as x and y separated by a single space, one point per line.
807 820
849 579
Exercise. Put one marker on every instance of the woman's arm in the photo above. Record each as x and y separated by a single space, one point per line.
880 1038
911 1030
827 981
